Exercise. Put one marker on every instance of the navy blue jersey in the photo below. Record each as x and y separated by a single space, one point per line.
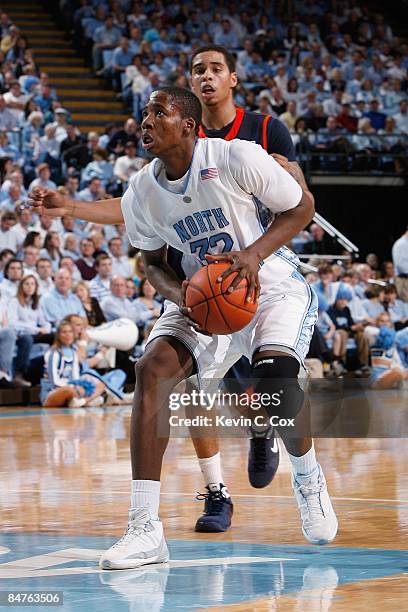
266 131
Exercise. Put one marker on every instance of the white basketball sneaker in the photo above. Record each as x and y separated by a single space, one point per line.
319 522
142 543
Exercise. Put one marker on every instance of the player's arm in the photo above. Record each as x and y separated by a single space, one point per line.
280 146
54 204
294 170
161 275
165 281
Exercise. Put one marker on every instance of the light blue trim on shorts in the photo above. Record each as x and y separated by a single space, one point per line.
305 332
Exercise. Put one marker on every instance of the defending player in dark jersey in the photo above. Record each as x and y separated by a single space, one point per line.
213 80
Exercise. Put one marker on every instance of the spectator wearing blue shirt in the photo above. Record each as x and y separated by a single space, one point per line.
159 67
377 118
397 309
226 37
95 21
118 305
121 58
355 85
153 33
99 286
45 99
93 192
98 168
135 39
357 61
161 44
43 179
61 302
9 150
105 37
256 68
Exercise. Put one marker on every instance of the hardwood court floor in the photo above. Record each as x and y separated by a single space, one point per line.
64 496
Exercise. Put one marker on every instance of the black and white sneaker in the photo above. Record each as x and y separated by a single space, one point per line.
263 458
218 509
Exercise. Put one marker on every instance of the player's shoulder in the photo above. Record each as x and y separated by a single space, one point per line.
243 150
141 175
254 117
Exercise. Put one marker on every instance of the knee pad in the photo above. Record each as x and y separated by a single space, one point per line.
277 377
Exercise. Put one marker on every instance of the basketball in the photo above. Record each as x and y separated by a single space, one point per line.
216 310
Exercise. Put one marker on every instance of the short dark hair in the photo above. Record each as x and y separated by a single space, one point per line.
390 289
5 252
101 258
229 58
9 263
187 103
9 216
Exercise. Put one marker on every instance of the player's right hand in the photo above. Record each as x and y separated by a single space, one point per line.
48 202
186 312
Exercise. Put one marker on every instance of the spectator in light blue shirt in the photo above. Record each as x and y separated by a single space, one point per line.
135 39
43 179
139 311
61 302
397 309
104 37
226 37
256 69
117 305
121 58
99 286
98 168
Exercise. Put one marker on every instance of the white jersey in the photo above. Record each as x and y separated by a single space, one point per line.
220 208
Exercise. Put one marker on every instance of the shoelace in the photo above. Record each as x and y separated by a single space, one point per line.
311 495
260 454
132 531
214 502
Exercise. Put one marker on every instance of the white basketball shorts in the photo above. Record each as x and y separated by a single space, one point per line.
283 321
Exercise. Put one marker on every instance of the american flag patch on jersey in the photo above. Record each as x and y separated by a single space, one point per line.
209 173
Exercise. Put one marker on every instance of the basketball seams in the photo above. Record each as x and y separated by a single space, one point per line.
222 314
242 308
197 288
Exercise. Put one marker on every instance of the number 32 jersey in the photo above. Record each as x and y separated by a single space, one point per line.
227 190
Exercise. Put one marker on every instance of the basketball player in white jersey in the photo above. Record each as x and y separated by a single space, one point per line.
199 196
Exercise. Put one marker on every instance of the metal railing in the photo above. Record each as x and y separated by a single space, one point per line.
358 154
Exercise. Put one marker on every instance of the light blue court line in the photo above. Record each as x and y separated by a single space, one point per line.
200 574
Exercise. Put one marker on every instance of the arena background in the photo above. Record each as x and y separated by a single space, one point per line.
64 472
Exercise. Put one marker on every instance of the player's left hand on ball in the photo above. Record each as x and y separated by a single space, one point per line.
247 266
186 311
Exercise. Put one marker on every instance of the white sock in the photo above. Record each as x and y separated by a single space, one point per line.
146 494
211 469
305 465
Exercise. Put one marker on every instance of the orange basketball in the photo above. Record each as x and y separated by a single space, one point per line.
215 309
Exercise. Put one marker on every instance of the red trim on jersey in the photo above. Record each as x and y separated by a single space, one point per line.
239 117
265 132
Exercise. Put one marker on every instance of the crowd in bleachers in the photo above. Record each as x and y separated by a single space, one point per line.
332 71
361 311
